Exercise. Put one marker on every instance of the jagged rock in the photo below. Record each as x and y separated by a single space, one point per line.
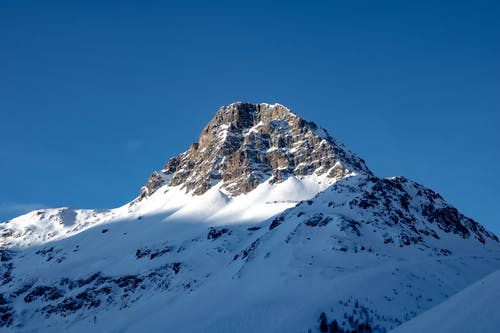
46 293
152 253
214 233
312 239
317 220
247 144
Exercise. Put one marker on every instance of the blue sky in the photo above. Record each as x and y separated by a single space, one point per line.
95 95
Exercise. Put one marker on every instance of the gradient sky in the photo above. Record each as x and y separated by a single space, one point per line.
95 95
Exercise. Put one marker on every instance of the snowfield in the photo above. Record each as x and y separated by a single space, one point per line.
212 263
317 245
474 309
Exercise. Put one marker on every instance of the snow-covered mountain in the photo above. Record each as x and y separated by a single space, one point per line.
266 224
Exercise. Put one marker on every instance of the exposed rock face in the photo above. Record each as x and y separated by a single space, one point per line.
247 144
358 247
403 213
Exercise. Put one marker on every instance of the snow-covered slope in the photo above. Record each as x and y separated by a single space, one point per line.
267 224
474 309
168 203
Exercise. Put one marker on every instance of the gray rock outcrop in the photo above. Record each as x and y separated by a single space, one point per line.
246 144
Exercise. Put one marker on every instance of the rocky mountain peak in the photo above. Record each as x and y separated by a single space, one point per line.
308 237
246 144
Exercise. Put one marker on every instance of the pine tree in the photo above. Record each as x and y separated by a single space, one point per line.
334 326
323 323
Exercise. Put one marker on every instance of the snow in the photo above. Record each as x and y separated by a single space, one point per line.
246 280
255 129
171 203
270 260
260 204
223 132
474 309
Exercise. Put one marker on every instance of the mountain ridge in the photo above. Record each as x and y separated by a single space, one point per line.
297 247
245 144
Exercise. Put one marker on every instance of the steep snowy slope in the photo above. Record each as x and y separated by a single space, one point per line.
244 147
266 224
474 309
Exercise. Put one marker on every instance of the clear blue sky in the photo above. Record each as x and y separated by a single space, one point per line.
95 95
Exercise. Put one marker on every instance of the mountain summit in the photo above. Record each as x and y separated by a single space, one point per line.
266 224
247 144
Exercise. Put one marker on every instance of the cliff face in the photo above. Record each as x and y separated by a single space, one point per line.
247 144
268 225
